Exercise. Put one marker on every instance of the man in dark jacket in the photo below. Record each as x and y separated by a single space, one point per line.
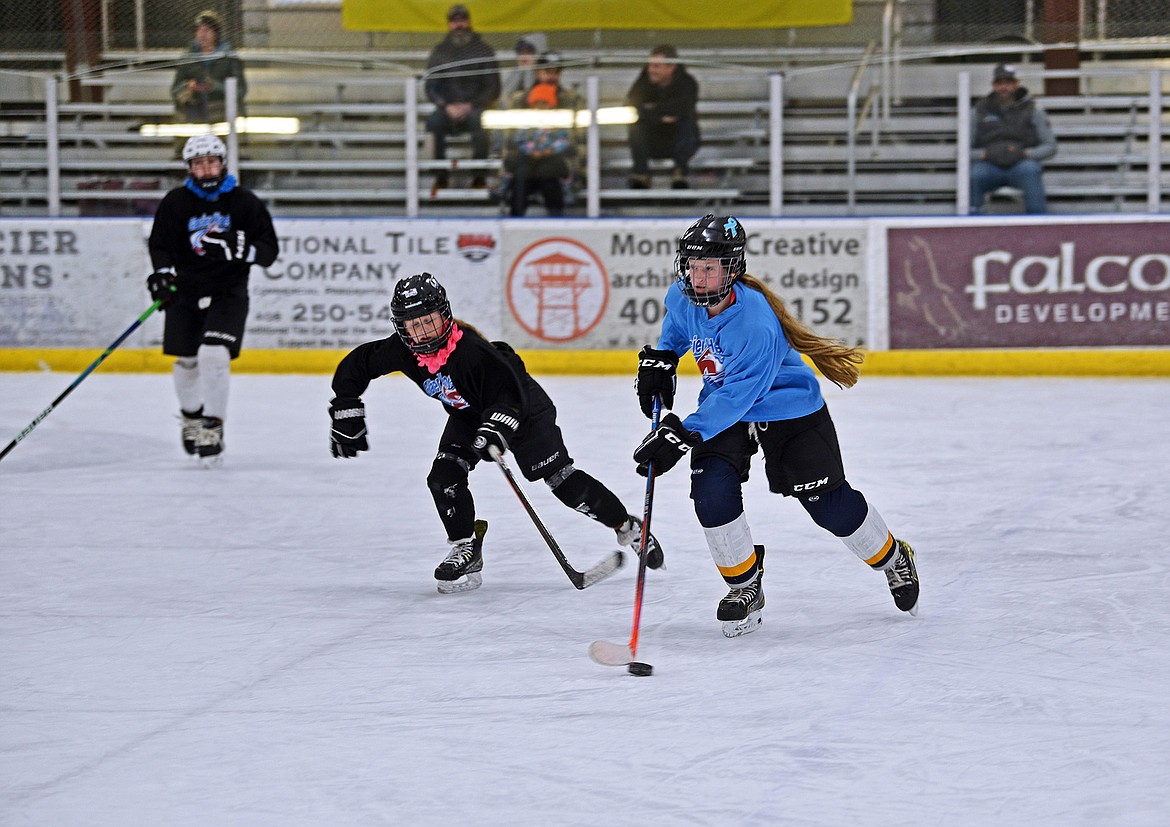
1010 137
665 95
463 79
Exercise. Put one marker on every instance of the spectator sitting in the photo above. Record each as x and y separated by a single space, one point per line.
665 95
541 158
198 88
1010 137
521 78
469 84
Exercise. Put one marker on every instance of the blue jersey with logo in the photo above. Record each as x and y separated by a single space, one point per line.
750 371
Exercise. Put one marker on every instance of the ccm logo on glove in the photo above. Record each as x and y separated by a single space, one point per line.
665 446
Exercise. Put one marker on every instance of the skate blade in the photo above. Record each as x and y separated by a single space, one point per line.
211 462
738 628
466 583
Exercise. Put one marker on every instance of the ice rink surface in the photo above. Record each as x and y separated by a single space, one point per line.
264 645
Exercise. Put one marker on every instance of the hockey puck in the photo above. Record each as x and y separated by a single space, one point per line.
640 669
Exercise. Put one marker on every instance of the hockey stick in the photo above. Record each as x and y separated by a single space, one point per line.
28 430
580 579
619 654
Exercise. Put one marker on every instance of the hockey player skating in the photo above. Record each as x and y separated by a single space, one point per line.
207 234
756 394
491 403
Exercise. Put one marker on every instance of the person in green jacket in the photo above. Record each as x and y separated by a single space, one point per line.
199 86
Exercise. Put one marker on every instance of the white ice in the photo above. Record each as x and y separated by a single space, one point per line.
264 645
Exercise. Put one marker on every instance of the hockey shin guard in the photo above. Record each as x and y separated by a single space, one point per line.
187 386
447 482
215 366
583 493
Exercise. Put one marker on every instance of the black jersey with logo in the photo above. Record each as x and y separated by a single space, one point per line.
180 222
478 375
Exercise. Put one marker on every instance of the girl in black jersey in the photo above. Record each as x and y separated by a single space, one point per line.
491 402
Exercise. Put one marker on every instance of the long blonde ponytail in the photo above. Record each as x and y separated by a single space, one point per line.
837 361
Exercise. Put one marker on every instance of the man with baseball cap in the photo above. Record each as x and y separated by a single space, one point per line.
462 80
1010 138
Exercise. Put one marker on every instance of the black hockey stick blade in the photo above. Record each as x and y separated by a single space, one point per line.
585 579
579 579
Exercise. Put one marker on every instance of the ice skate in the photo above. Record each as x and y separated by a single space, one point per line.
629 534
740 610
191 424
209 442
462 571
903 579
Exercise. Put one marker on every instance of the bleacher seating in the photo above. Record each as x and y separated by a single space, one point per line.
350 155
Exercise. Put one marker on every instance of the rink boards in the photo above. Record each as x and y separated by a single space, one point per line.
1085 295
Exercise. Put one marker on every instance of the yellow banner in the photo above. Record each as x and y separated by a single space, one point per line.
556 15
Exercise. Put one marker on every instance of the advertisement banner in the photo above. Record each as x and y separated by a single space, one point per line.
73 284
76 284
603 285
551 15
1018 286
330 287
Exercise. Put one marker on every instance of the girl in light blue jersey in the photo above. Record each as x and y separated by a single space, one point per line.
758 394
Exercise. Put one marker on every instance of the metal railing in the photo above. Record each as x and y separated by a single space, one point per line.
774 133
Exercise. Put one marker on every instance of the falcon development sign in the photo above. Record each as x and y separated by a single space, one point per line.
1051 285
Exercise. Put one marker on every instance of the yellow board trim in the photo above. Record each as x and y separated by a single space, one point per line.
1119 362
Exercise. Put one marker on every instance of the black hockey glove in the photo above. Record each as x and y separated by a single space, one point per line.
499 425
665 446
348 435
230 246
656 377
161 284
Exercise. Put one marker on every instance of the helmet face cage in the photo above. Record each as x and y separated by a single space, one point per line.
416 297
720 238
204 146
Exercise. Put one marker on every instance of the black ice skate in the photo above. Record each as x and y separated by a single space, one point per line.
903 579
192 424
740 610
462 571
209 442
629 534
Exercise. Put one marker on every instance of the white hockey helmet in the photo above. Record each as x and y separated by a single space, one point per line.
199 146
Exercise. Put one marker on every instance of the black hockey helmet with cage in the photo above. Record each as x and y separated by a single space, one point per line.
415 297
712 237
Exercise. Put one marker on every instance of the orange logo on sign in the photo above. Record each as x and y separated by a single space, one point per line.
558 289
